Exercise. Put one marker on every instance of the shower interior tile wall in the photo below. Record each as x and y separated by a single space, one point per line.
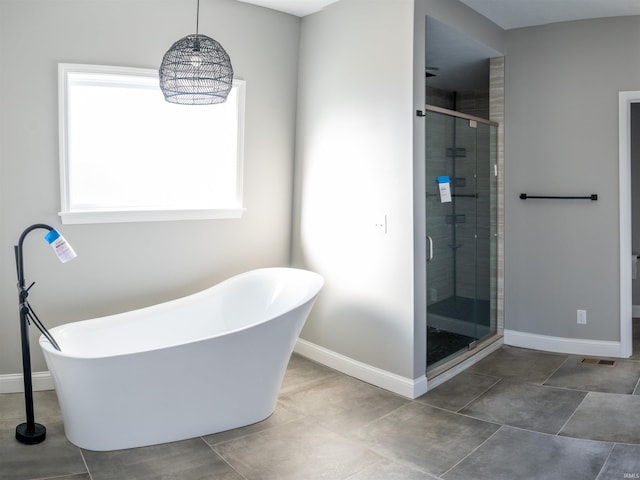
476 211
439 97
471 103
494 248
439 140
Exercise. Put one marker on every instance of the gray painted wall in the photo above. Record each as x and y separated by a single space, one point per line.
125 266
353 166
361 80
562 84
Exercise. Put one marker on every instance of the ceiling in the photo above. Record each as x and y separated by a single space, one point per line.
456 61
299 8
507 14
460 62
510 14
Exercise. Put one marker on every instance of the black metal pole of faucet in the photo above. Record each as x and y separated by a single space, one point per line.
29 432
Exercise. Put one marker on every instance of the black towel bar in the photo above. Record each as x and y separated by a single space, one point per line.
593 196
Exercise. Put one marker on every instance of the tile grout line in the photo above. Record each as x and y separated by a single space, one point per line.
557 434
248 434
309 384
86 466
480 395
471 452
383 455
409 402
605 461
58 477
635 389
556 370
212 448
465 415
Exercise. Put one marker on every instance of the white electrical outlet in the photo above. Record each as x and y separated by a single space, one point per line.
582 317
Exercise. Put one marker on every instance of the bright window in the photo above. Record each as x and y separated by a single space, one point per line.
127 155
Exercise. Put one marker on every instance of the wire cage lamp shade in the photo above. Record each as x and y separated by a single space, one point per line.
196 70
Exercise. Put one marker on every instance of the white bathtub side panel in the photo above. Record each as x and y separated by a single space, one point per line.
177 393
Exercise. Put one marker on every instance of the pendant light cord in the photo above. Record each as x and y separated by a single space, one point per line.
197 17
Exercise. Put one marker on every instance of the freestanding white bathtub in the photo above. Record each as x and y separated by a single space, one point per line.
202 364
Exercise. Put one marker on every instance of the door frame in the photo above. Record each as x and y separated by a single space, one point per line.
625 99
455 115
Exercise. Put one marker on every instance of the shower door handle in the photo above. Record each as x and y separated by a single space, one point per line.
430 240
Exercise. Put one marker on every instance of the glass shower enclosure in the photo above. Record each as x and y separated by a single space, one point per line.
461 227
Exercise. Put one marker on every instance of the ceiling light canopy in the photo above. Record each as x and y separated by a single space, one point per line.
196 70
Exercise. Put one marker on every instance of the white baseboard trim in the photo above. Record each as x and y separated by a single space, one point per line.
407 387
635 311
14 383
571 346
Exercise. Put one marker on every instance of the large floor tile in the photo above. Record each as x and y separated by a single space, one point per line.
607 417
459 391
624 462
282 415
45 406
429 438
302 372
294 451
56 456
526 365
525 405
622 378
186 460
342 403
519 454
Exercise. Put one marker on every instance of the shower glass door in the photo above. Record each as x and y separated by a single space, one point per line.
461 212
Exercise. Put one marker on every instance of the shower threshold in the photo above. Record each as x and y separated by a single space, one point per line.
441 344
454 326
444 370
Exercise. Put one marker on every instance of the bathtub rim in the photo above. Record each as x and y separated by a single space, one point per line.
48 348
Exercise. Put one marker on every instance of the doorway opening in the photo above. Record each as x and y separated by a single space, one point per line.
461 225
462 293
634 165
627 103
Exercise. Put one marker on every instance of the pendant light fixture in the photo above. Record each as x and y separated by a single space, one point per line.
196 70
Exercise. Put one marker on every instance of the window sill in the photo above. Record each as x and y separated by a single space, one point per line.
123 216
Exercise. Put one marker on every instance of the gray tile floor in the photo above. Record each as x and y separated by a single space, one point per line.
517 414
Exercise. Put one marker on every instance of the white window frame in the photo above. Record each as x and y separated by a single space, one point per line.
98 215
